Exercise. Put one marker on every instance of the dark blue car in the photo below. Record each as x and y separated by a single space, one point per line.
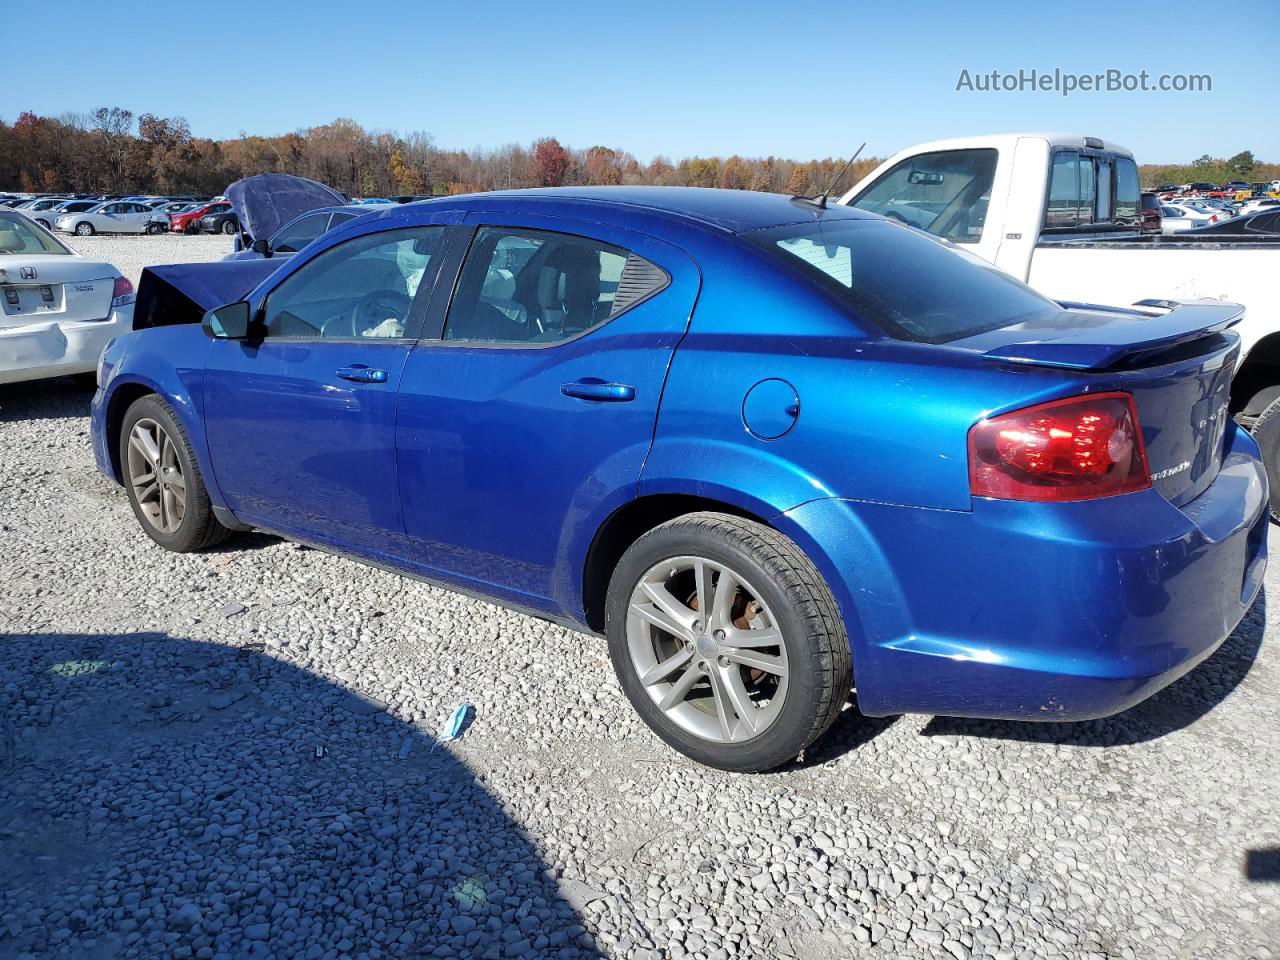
771 451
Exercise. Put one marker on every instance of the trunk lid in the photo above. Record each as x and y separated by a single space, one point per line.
62 288
1176 359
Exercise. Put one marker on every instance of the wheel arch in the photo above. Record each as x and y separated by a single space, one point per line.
122 398
625 526
1257 382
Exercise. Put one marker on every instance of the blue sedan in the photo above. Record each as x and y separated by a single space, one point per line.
772 451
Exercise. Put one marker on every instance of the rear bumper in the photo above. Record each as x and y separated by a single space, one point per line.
1040 611
58 348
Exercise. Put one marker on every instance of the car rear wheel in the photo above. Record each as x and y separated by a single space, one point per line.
229 228
727 641
84 229
163 479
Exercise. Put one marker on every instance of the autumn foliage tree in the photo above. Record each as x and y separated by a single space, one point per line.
551 162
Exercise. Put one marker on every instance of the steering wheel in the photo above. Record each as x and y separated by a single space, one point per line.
376 307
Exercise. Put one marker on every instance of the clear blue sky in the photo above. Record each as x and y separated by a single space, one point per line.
674 78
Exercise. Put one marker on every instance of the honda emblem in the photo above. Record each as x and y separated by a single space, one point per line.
27 273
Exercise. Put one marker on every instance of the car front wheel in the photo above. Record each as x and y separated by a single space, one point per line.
84 230
727 641
163 479
229 228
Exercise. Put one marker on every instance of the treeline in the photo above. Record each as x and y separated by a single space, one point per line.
108 151
111 151
1209 170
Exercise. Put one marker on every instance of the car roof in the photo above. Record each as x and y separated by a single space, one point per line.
732 211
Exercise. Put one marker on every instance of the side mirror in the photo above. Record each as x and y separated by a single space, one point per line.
230 322
261 247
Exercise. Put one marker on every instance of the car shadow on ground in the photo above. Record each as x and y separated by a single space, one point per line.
1263 866
56 399
161 796
1178 705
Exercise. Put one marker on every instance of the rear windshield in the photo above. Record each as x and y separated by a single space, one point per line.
18 235
909 284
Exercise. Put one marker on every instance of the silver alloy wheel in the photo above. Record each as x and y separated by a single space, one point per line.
155 474
84 230
707 649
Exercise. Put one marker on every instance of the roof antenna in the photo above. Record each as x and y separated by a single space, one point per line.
820 201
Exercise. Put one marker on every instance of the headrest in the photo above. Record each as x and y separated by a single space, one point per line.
499 284
10 242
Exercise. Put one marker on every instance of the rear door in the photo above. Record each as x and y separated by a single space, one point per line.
538 399
301 422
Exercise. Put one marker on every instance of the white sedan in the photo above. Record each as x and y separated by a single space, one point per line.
57 309
114 216
1176 216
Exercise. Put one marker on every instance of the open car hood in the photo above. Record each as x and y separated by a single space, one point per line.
184 292
270 200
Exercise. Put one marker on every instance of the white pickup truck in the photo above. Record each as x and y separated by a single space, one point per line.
1061 212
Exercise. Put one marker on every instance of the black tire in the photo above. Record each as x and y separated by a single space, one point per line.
1266 430
84 229
228 228
199 528
816 643
44 223
151 229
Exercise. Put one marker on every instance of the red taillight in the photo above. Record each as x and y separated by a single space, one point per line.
1077 449
122 292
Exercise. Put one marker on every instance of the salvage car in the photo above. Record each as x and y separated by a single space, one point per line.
220 221
301 230
44 212
57 308
771 449
1264 223
264 203
188 221
116 216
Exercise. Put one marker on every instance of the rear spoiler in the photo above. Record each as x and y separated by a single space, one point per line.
1168 323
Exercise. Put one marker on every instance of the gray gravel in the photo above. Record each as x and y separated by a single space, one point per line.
233 754
131 252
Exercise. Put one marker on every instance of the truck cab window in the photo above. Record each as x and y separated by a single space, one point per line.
945 193
1073 191
1127 192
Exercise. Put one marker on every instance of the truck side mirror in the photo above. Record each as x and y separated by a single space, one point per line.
262 248
229 322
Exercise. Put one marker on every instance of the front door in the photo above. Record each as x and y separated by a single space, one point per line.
301 420
538 399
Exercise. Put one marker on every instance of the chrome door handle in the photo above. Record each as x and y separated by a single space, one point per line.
359 373
600 391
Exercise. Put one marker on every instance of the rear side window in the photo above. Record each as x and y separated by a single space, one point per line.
945 193
910 286
536 287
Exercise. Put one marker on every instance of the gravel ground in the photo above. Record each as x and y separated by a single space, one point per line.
233 754
131 252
